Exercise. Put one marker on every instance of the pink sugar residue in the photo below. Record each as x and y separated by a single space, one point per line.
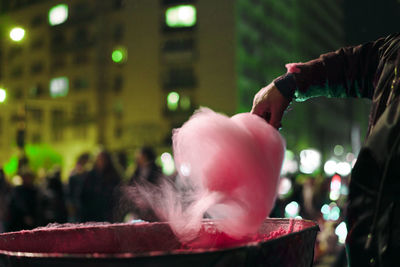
207 240
293 67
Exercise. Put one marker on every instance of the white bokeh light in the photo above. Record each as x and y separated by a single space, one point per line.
168 164
343 168
58 14
17 34
310 160
284 186
289 163
185 169
292 209
330 167
3 95
341 232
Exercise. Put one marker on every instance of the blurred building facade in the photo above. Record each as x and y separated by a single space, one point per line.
272 33
124 73
104 74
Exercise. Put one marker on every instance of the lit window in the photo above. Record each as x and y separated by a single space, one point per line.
59 87
119 55
58 14
3 95
180 16
172 101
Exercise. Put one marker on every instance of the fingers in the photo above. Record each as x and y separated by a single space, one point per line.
262 112
272 118
276 118
270 104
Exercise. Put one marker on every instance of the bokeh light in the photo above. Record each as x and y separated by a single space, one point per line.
330 212
119 55
330 167
3 95
17 34
185 169
343 168
285 186
173 100
341 232
289 163
58 14
292 210
167 163
180 16
338 150
16 180
325 209
59 87
335 189
310 160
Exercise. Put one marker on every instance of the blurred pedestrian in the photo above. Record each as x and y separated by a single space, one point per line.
24 206
55 209
147 170
5 190
120 160
98 195
144 182
75 184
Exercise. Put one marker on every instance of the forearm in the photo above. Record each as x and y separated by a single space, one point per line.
347 72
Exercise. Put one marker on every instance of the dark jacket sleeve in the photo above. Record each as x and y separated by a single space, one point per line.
347 72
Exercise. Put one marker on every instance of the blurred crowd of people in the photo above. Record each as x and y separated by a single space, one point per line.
92 192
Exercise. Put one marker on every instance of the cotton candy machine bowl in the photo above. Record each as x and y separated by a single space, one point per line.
280 242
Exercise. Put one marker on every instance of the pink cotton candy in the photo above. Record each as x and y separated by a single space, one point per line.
293 67
236 159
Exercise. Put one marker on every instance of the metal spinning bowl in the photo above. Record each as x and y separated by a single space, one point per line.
154 244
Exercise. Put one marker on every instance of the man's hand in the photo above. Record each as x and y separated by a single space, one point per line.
270 104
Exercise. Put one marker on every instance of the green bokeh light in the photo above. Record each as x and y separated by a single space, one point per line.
118 55
172 100
11 167
167 163
42 156
58 14
180 16
39 156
